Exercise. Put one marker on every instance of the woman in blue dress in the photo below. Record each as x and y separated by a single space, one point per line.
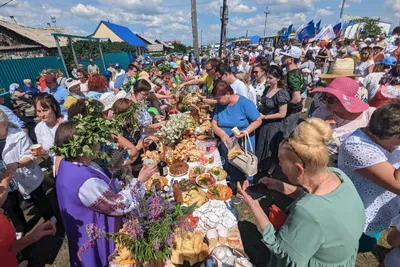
233 111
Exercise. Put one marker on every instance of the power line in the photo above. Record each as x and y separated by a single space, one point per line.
6 3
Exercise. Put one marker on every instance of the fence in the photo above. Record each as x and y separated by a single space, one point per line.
16 70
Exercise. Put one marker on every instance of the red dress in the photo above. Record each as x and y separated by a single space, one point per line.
7 239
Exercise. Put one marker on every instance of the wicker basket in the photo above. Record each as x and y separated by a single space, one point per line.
148 140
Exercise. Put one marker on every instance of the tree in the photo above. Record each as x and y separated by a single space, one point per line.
281 31
180 48
85 49
371 26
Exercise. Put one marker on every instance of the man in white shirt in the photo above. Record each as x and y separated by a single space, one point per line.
225 74
118 70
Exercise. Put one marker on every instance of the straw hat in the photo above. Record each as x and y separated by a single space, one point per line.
340 68
381 44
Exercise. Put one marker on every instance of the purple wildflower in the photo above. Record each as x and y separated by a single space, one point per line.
156 207
188 227
134 228
156 245
170 239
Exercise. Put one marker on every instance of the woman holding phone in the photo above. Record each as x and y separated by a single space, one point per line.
327 217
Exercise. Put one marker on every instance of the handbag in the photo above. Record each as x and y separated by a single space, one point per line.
246 161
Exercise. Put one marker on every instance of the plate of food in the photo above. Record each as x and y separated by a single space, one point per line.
219 192
196 171
156 182
207 159
218 173
205 180
186 185
179 169
195 195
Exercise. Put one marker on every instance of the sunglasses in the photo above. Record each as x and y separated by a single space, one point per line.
209 69
328 99
255 72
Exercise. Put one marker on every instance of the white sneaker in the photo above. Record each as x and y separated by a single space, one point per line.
53 219
19 235
23 264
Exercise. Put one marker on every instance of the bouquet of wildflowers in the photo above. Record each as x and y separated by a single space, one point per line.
175 127
148 232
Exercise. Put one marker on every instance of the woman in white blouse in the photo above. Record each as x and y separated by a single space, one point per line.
49 113
366 66
87 195
371 158
28 176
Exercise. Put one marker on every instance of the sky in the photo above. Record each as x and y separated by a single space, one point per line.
171 19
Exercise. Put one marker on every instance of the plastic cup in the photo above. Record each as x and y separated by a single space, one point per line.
223 234
235 131
212 237
35 149
148 162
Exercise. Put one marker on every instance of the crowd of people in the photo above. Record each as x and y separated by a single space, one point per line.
340 152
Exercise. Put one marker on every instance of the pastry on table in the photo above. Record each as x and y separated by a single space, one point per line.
179 169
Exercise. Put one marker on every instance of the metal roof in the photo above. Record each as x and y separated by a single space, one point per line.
125 34
146 39
41 36
164 44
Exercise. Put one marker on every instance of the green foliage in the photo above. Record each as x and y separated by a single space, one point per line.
85 49
129 118
281 31
180 48
163 68
141 248
147 68
91 130
371 26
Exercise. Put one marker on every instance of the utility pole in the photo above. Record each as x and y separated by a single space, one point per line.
266 12
342 9
201 39
194 29
224 21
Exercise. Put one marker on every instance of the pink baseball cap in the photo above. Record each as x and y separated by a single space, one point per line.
345 89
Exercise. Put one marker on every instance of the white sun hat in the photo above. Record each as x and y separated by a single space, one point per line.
108 99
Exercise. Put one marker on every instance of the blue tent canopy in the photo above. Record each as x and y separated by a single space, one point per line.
125 34
255 39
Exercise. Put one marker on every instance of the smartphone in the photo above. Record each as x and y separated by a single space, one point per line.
257 191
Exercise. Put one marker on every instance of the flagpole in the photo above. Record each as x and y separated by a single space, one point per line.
342 9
